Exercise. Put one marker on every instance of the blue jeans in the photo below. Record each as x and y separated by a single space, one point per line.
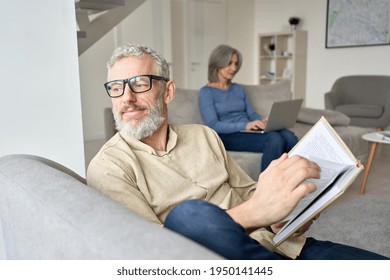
272 144
212 227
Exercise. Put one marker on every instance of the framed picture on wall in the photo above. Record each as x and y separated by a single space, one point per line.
357 23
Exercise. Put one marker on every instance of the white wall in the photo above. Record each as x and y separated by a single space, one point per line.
40 108
240 33
324 65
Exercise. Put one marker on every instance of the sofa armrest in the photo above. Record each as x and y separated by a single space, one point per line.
332 99
311 116
385 118
48 214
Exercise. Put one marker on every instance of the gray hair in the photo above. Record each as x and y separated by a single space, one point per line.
220 57
135 50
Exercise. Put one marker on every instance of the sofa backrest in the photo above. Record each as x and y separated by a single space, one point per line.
262 96
363 89
184 108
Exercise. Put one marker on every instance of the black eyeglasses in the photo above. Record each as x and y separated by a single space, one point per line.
137 84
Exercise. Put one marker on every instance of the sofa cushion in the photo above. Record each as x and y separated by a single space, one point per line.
311 116
184 108
262 96
250 162
361 110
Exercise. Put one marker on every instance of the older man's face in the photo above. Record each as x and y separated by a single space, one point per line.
137 115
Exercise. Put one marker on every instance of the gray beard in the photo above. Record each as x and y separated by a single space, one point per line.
144 128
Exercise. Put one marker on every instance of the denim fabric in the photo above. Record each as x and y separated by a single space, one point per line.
212 227
272 144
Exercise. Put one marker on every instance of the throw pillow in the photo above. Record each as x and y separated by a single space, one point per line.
311 116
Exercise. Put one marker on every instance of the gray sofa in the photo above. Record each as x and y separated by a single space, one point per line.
48 212
185 109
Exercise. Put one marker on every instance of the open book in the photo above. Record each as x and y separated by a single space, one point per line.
339 168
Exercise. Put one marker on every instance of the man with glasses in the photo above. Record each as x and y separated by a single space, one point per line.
180 176
138 84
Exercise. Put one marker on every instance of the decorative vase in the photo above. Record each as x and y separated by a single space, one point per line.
294 21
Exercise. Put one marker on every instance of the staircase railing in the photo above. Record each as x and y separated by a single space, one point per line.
97 17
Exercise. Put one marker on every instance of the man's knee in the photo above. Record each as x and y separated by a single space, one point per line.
190 217
189 209
197 215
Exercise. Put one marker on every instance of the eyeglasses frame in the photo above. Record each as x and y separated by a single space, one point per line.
126 81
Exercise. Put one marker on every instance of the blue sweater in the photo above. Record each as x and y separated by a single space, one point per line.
226 111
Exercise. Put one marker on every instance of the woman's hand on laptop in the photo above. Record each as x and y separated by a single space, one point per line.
257 124
265 121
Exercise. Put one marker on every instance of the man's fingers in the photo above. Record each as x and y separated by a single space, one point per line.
303 190
299 162
297 170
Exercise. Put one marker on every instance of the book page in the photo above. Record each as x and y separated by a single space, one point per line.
330 171
320 143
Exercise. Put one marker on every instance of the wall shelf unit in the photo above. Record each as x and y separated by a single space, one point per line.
282 55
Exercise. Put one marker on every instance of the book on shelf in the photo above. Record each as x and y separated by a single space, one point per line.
339 168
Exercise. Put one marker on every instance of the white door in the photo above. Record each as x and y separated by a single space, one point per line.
205 30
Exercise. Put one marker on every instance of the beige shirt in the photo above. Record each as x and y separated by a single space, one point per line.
195 165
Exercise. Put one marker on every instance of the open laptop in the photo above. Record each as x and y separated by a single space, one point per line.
283 114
